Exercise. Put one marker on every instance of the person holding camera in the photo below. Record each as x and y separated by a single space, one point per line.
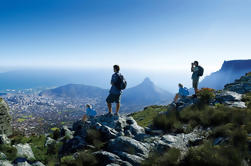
197 73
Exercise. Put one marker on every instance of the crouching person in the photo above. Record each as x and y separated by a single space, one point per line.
183 92
89 112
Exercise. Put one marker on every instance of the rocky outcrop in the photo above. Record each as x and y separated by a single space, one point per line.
241 86
229 71
5 163
24 150
4 139
127 143
229 98
5 119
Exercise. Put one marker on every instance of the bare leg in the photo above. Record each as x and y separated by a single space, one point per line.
109 105
196 90
176 97
84 118
117 107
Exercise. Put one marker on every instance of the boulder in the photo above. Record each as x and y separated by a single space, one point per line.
241 86
24 150
133 159
110 126
2 156
4 139
5 163
230 98
129 145
65 132
112 164
109 158
73 145
38 163
49 141
22 164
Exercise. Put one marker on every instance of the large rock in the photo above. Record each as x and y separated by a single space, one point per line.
242 85
129 145
65 132
2 156
179 141
24 150
22 164
5 119
49 141
73 145
230 98
109 158
133 159
109 126
5 163
38 163
4 139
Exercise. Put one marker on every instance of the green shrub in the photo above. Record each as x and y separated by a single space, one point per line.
86 158
206 94
168 122
94 138
169 158
223 130
56 133
145 118
208 155
68 161
9 151
239 139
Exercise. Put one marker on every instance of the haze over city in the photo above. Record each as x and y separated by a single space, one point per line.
156 39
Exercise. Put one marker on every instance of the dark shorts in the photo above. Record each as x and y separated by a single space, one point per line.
113 98
195 83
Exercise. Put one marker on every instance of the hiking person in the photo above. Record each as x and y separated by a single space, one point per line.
183 92
118 84
197 73
89 112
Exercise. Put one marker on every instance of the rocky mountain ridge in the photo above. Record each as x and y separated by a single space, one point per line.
229 71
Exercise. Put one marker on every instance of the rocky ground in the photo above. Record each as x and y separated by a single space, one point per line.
193 131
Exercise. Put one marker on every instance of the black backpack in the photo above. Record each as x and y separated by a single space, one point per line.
201 71
121 83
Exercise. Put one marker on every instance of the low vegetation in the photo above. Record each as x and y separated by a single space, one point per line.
230 125
145 118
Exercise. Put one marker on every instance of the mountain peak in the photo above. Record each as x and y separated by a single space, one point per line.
147 80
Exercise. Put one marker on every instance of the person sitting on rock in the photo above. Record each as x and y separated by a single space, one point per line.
89 112
183 92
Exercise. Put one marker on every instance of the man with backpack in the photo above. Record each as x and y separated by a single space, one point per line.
118 84
197 73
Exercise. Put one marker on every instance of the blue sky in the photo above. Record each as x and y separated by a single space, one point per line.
137 34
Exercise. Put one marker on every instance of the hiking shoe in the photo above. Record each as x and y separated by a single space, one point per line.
194 96
117 114
109 114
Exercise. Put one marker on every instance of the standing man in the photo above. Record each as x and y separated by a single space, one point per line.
197 73
118 84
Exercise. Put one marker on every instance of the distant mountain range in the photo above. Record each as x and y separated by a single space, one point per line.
135 98
229 71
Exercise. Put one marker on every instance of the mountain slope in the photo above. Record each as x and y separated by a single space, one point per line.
229 71
133 99
145 93
75 91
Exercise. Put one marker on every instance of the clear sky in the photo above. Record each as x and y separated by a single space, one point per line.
137 34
